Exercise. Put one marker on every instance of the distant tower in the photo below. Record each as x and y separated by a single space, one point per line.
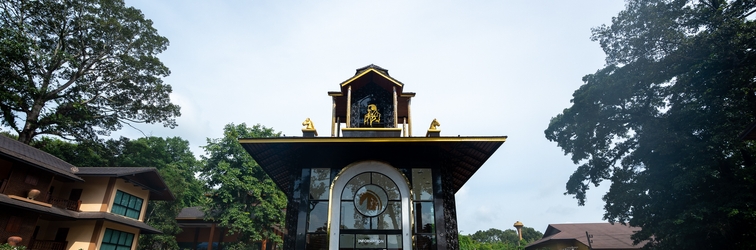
519 225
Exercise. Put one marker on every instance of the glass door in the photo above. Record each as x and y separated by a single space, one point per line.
370 208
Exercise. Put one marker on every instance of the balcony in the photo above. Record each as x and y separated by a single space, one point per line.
72 205
48 244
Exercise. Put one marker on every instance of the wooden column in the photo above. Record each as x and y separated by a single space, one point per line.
396 117
349 107
210 240
333 117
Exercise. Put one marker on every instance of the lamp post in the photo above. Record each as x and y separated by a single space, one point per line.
519 225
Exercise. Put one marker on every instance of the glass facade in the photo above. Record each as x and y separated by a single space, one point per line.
424 231
116 240
369 211
127 205
317 217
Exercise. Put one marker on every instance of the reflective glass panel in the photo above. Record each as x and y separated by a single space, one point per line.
392 217
370 200
351 219
394 241
320 183
355 183
422 184
384 182
317 242
317 222
346 241
424 218
424 242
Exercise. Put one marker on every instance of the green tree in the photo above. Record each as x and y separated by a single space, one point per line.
79 69
529 234
661 123
244 199
171 156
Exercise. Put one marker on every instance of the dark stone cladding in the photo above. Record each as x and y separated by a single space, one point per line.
450 212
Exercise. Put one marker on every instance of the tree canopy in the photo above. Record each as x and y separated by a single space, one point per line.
79 69
661 122
496 239
244 199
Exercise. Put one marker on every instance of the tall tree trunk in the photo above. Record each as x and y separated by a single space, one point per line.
31 125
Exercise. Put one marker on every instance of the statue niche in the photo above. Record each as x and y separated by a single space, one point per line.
372 107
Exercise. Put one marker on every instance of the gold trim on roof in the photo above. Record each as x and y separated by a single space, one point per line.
371 139
348 81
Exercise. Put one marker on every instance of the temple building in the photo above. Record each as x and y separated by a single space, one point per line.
371 184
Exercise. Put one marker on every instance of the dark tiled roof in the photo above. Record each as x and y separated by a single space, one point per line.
37 158
53 211
372 66
147 177
191 213
749 133
143 227
282 157
605 235
73 215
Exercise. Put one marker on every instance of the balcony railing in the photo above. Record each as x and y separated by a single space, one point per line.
48 244
65 203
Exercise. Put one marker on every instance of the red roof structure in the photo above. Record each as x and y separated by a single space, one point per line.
573 236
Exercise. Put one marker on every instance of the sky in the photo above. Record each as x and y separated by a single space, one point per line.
481 68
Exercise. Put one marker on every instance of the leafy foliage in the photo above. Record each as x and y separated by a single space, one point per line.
495 239
171 156
244 199
662 121
79 69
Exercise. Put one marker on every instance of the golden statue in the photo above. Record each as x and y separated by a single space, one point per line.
308 124
372 115
434 125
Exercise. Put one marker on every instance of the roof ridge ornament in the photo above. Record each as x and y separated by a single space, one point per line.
309 129
433 130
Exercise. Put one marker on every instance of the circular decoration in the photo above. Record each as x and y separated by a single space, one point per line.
370 200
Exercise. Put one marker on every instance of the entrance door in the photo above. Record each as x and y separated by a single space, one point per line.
370 208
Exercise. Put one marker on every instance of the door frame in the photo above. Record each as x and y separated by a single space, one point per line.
354 169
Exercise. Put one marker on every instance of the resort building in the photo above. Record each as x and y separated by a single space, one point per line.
586 236
47 203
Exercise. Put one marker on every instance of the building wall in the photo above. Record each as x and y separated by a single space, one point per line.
80 234
92 194
24 178
27 225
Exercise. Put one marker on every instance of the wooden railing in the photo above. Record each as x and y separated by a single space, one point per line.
48 244
65 203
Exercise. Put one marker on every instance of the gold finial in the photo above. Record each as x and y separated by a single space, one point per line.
372 115
434 125
308 124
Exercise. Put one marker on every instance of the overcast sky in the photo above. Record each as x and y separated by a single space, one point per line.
485 68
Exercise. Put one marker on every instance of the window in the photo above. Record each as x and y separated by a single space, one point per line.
116 240
127 205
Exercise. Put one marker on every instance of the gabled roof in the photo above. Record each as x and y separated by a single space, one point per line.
143 227
605 235
36 158
375 69
65 214
146 177
191 213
